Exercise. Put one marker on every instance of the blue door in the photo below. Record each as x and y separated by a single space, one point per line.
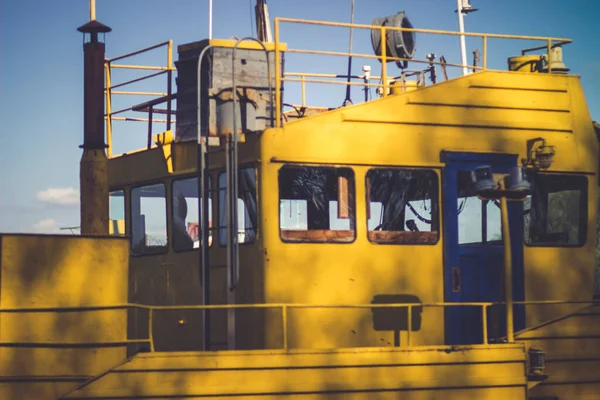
474 251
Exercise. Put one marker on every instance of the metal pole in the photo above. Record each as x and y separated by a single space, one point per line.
348 100
169 82
201 162
507 269
210 19
92 10
277 77
383 61
461 28
108 111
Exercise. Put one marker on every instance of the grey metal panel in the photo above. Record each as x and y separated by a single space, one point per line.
254 105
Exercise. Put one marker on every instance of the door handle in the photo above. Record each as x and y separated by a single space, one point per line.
455 279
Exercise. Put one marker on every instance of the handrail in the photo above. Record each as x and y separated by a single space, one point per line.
109 65
285 307
550 42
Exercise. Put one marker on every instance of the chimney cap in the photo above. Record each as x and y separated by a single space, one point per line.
94 26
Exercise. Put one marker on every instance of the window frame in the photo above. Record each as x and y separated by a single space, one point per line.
584 212
218 190
125 204
172 219
130 220
353 204
437 192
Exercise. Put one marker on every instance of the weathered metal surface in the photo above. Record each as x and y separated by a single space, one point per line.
93 92
254 105
481 372
93 181
59 271
572 346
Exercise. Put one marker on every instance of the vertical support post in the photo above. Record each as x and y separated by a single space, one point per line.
169 82
384 60
409 327
210 15
150 330
201 164
150 116
108 111
461 28
303 90
92 10
484 49
507 269
277 77
484 323
284 321
549 51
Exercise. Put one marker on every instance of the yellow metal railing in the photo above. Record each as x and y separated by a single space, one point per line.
109 65
549 43
285 307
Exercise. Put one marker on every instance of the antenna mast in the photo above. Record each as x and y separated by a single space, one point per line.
463 8
210 12
92 10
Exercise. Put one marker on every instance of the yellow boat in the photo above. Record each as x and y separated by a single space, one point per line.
435 241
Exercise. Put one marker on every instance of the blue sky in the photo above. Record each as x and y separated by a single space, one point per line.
41 71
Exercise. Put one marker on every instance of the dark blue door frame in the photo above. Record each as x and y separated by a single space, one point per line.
473 273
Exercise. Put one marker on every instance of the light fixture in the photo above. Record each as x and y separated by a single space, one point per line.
483 178
540 154
399 44
518 179
537 364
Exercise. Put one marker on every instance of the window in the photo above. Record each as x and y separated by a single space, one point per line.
148 220
556 212
186 233
116 211
316 204
479 221
246 206
402 206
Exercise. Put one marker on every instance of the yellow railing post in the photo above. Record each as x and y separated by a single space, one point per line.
409 326
507 269
303 91
384 60
484 46
277 77
549 51
170 54
284 323
108 111
150 330
484 323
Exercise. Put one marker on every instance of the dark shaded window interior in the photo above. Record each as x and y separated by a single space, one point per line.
186 232
246 206
402 206
556 212
316 204
148 220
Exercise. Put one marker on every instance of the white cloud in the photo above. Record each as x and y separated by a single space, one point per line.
47 226
61 196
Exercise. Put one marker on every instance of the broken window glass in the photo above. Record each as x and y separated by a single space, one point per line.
402 206
316 204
